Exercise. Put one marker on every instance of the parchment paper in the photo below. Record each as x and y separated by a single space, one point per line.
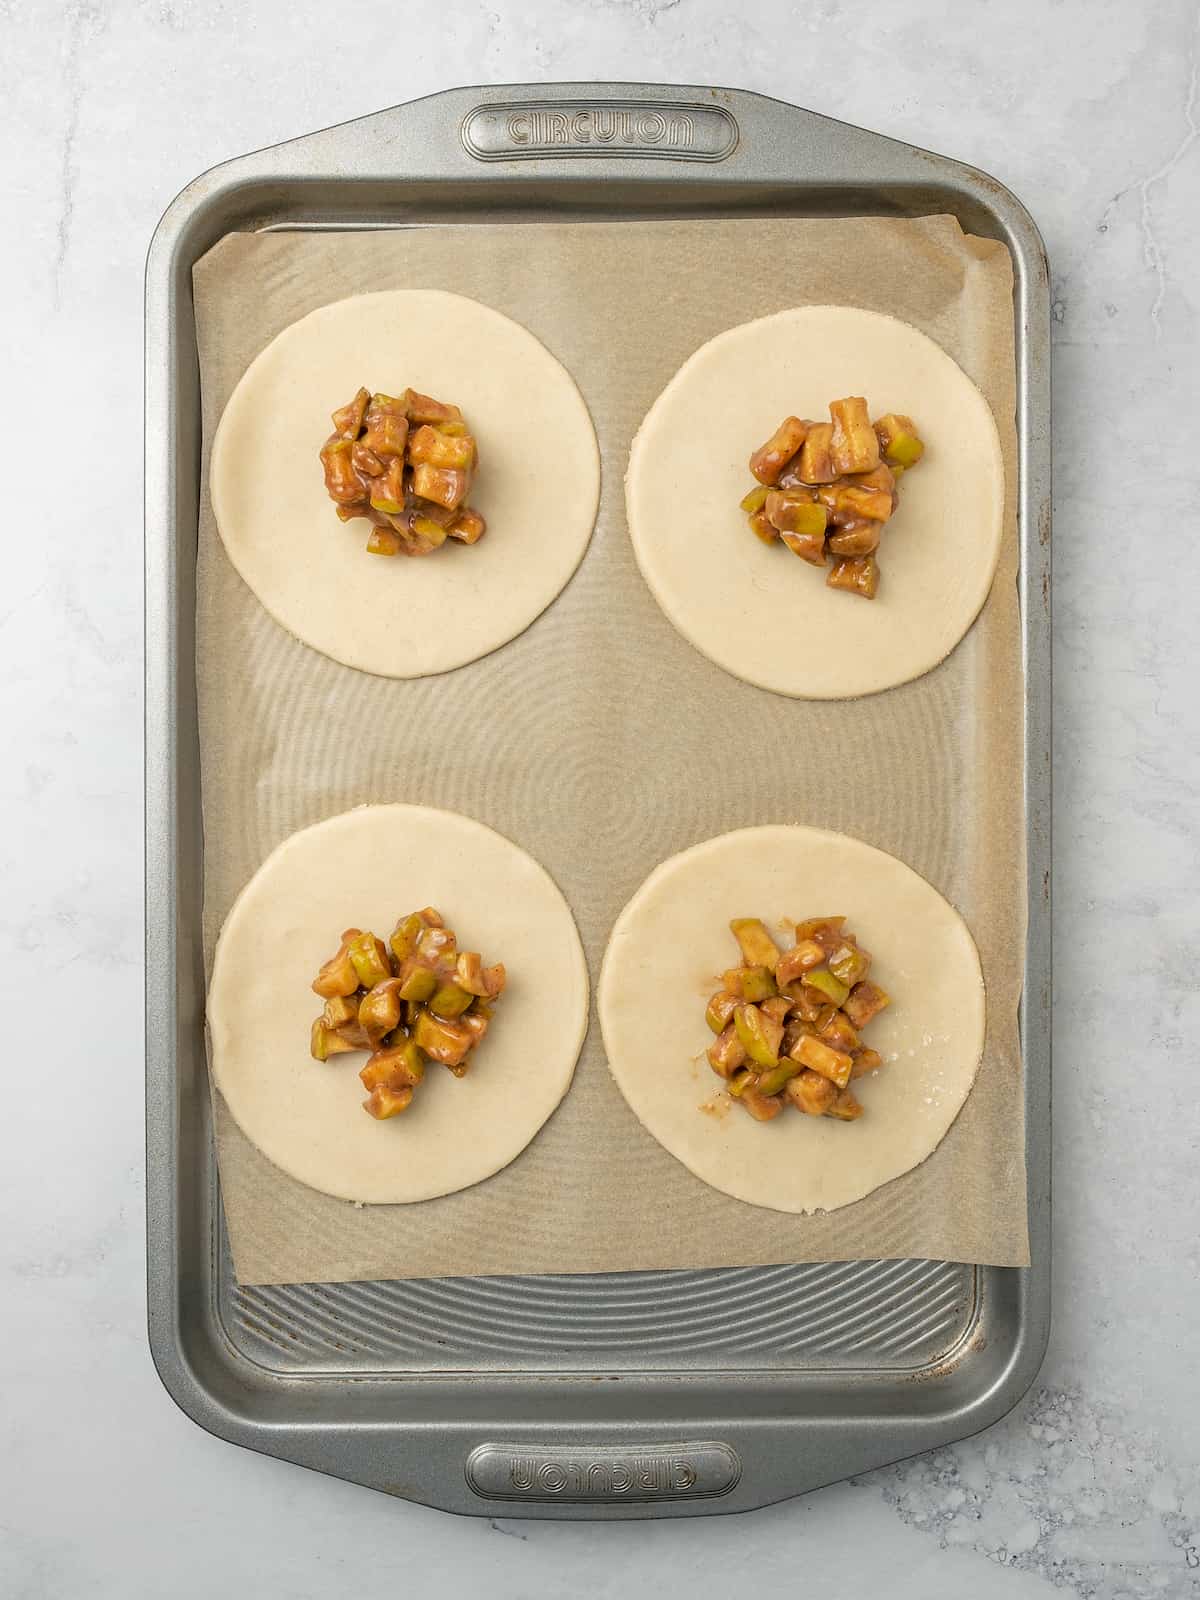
587 740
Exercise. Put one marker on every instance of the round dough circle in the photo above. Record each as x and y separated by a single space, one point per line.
663 959
366 868
757 610
406 617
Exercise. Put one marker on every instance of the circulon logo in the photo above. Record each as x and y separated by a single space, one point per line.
597 1473
597 128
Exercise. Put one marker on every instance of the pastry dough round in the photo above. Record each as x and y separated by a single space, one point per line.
759 611
538 484
365 869
664 957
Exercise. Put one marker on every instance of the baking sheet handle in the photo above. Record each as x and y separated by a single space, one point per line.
646 134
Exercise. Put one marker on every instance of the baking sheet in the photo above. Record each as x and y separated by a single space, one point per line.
587 740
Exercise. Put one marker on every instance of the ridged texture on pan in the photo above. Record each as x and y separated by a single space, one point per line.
884 1314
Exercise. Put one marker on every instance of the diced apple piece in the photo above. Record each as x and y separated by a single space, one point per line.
769 460
846 1107
795 1029
750 983
853 446
366 461
763 528
468 527
720 1011
337 976
440 449
429 532
838 1032
811 1093
383 1102
384 542
447 1042
865 1000
762 1107
856 575
801 958
855 539
864 505
423 408
387 433
398 1065
809 547
899 440
726 1053
834 990
445 486
324 1042
777 1008
756 944
795 511
470 972
823 1058
379 1010
476 1025
807 1003
369 957
880 477
348 419
849 963
865 1060
760 1035
340 1011
816 462
342 483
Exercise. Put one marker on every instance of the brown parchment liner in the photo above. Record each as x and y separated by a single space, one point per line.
589 740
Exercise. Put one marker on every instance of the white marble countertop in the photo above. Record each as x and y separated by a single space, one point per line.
1090 114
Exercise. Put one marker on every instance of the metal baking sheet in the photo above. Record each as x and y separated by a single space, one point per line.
482 1394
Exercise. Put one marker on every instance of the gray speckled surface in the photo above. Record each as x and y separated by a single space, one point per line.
1090 113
